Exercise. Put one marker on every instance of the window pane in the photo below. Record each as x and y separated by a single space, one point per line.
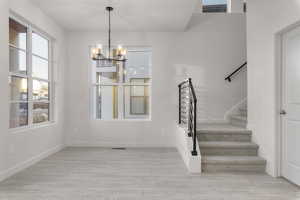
17 34
40 45
18 88
214 6
107 77
138 65
40 112
40 90
137 81
136 102
17 61
214 2
40 68
106 102
18 115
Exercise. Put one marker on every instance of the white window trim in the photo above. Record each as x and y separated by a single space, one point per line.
30 29
92 85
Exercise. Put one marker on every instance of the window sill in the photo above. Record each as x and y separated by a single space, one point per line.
31 127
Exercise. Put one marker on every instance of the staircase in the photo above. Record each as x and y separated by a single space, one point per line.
228 147
240 119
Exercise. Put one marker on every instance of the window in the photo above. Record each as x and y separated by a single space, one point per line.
214 6
123 91
29 77
139 96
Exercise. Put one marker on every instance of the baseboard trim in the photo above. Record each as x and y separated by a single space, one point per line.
111 144
21 166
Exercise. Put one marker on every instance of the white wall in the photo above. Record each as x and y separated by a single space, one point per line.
184 145
83 131
24 147
213 47
265 18
235 6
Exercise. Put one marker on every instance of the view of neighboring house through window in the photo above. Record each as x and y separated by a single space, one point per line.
139 97
29 78
214 5
123 91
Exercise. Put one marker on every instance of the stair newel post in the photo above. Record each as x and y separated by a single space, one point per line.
179 86
194 152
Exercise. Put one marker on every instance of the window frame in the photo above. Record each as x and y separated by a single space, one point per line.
121 85
30 78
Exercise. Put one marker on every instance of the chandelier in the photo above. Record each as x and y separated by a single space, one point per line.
112 56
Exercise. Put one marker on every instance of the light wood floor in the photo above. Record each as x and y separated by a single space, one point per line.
135 174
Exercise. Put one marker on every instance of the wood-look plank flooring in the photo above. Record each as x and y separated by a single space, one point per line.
135 174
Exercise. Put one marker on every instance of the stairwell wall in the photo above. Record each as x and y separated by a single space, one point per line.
213 46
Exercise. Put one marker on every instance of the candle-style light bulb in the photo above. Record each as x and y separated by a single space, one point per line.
24 85
119 50
99 48
93 52
124 52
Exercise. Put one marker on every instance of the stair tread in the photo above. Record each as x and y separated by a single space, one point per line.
233 160
225 144
221 129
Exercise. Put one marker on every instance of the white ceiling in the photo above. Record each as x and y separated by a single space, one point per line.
129 15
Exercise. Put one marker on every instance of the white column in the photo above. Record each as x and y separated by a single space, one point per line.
235 6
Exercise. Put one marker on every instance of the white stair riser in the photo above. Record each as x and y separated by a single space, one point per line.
257 168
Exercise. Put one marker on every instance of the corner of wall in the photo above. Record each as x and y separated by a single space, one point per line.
184 145
31 161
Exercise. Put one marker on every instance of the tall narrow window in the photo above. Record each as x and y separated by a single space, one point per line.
40 78
123 91
29 78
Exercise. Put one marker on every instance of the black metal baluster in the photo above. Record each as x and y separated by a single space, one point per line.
189 104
